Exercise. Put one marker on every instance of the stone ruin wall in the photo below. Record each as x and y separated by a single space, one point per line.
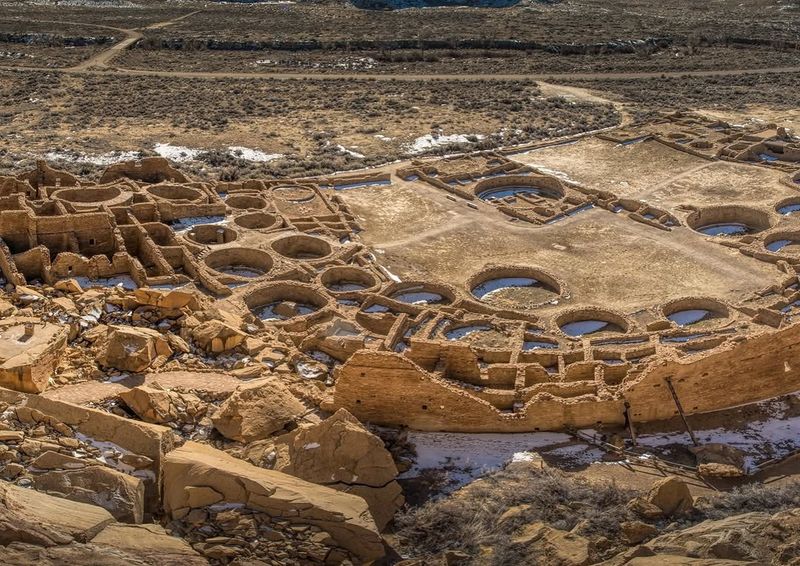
386 388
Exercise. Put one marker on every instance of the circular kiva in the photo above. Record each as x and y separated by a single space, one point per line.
732 220
496 188
692 311
211 234
302 246
348 279
256 220
421 293
783 242
168 192
284 300
294 193
514 287
245 202
788 206
240 262
480 333
93 197
582 322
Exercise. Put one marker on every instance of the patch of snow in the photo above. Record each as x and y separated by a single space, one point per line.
773 437
123 281
255 155
553 172
390 275
576 454
100 159
177 153
186 223
350 152
465 457
430 141
309 371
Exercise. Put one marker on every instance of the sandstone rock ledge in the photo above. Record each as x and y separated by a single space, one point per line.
345 518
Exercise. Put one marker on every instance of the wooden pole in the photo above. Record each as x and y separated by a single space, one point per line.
628 419
680 410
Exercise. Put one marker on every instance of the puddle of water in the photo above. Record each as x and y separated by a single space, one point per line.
725 229
464 331
778 245
362 184
621 341
634 141
682 339
418 297
791 306
347 286
123 281
377 308
489 288
503 192
789 208
240 271
582 327
269 312
537 345
186 223
578 210
687 317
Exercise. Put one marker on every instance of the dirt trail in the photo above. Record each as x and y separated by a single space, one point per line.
160 25
421 77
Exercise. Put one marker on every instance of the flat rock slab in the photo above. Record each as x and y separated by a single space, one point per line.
95 391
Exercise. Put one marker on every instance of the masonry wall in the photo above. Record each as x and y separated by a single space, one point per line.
386 388
762 367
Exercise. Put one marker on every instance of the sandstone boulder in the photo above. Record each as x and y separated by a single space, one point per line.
345 518
116 545
719 460
666 497
171 300
341 453
133 349
216 336
120 494
156 405
257 410
634 532
70 286
671 495
148 543
755 538
133 442
29 516
542 544
30 353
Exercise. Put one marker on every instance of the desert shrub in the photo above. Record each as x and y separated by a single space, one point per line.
752 497
472 518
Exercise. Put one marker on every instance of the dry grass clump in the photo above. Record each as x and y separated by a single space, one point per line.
489 512
474 517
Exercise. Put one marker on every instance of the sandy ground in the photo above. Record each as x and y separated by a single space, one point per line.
423 234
